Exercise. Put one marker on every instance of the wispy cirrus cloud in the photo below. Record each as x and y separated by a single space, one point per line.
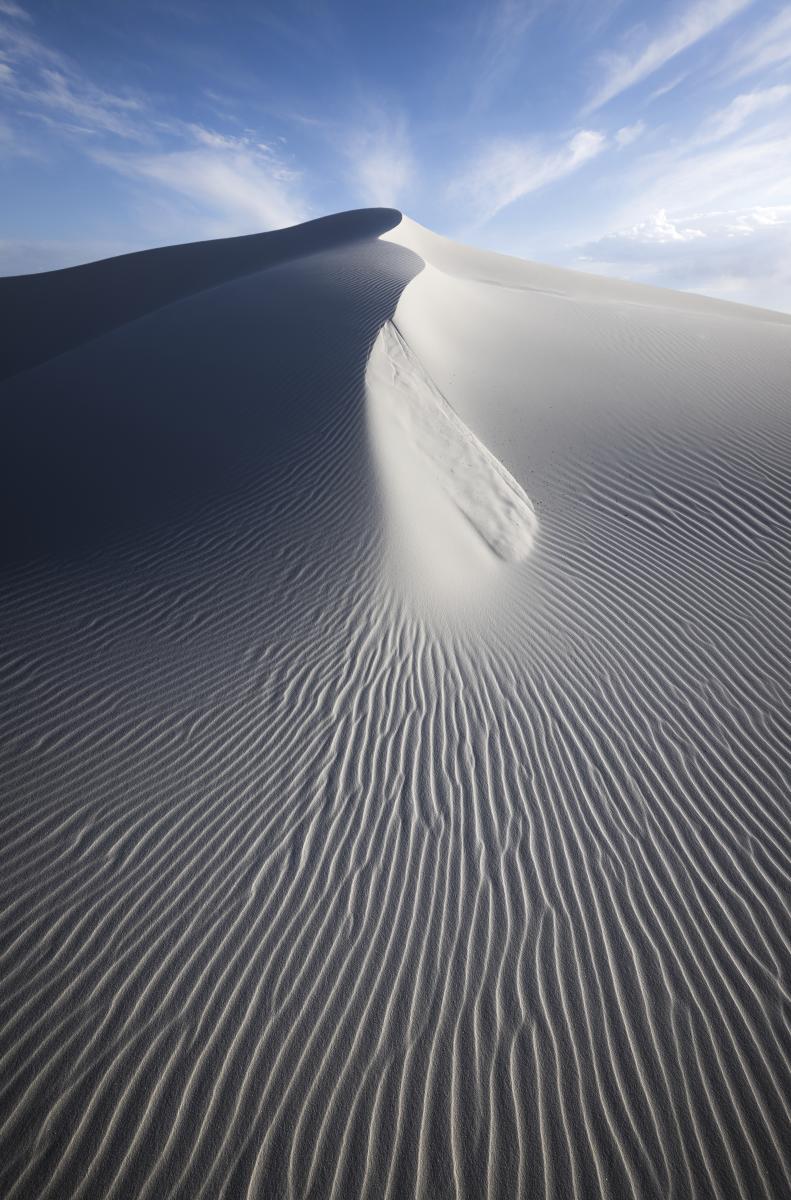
227 184
231 185
628 134
766 47
498 43
508 170
741 110
668 86
9 9
42 81
18 44
744 171
381 160
624 70
94 108
7 140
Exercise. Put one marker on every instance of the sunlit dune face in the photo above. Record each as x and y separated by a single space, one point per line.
455 517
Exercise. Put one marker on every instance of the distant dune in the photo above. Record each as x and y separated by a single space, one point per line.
394 644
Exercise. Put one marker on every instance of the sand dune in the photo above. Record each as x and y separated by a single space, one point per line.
396 728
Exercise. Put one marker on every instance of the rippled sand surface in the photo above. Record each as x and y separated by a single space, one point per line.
394 669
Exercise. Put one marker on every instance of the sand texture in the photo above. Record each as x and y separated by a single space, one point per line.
394 695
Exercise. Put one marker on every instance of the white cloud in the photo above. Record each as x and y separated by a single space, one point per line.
382 162
217 141
751 167
669 86
731 119
230 190
658 228
739 254
711 213
507 171
742 173
207 184
629 133
39 78
766 47
698 20
9 9
18 45
497 43
94 108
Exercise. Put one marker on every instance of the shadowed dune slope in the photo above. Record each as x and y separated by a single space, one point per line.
49 313
395 730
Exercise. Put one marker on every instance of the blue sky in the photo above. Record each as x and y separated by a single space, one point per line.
647 140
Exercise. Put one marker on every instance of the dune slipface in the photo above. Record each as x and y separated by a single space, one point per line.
395 751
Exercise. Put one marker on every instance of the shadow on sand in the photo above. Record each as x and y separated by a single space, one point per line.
167 379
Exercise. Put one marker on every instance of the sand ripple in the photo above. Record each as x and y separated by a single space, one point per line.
308 895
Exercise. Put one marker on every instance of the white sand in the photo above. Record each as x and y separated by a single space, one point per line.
395 728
